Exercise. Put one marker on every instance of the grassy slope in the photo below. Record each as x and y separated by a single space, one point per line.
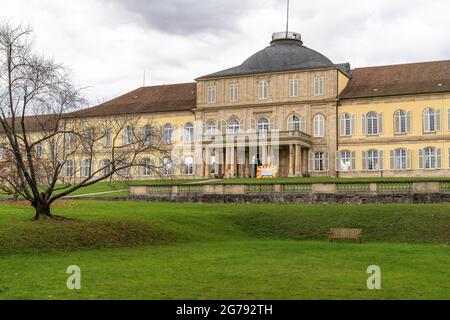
226 251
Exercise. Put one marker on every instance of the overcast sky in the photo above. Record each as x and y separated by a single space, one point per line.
109 43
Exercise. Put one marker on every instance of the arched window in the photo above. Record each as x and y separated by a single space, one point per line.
294 123
401 121
167 166
346 124
168 134
263 90
188 165
263 125
147 134
319 126
233 126
128 135
39 149
188 134
211 128
431 120
372 160
372 123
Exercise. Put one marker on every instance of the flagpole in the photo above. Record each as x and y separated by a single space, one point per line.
287 20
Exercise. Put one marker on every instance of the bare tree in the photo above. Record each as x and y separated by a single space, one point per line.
40 118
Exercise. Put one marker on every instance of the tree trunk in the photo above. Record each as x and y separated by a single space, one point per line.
42 211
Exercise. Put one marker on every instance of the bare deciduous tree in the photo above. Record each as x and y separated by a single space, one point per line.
40 119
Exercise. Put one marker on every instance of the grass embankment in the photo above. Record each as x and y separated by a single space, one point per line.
138 250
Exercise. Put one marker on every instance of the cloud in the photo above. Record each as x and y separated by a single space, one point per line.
187 16
109 43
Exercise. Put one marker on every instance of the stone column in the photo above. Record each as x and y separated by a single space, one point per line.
269 155
232 161
291 160
298 160
208 163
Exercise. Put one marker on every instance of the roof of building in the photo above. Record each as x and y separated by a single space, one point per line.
164 98
285 53
401 79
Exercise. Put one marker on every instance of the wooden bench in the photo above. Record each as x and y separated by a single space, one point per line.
351 234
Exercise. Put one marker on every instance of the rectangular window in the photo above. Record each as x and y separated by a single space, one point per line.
318 162
400 159
345 161
373 160
70 168
293 88
146 168
86 168
448 119
212 94
107 138
234 92
319 86
128 135
106 167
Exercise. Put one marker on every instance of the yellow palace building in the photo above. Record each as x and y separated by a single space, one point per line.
290 107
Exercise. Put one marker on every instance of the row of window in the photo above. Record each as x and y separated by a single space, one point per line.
373 160
146 168
372 122
263 90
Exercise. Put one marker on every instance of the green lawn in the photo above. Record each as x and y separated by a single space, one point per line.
136 250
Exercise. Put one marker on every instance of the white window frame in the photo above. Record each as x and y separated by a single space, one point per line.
400 159
233 126
345 161
167 166
373 160
319 126
128 135
319 86
106 166
293 88
212 94
168 134
294 123
347 125
147 135
373 122
431 120
107 141
39 149
431 158
263 90
263 125
146 167
188 166
318 161
402 122
211 128
86 168
234 92
188 133
70 168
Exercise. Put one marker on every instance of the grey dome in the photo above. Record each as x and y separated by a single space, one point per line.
285 53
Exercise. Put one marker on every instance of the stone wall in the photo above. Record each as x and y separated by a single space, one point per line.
397 198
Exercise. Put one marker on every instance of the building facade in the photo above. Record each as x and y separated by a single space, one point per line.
291 108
